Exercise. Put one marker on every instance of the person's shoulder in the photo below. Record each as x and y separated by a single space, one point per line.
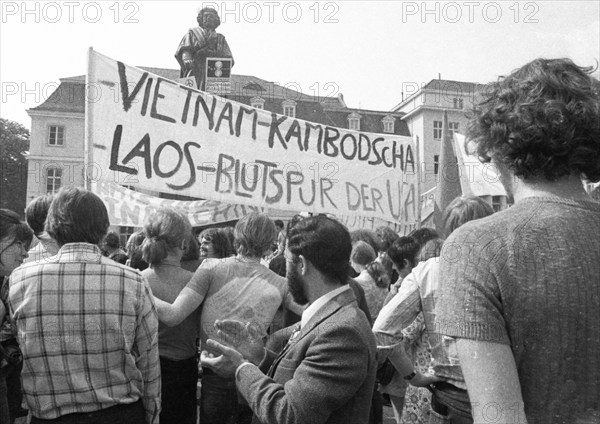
211 263
113 267
272 277
490 226
426 267
349 319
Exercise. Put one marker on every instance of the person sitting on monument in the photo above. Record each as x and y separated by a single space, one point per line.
200 43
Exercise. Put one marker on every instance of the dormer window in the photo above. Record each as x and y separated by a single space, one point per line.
388 124
354 121
458 103
289 108
257 102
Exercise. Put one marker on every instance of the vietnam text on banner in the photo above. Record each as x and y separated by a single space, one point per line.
158 135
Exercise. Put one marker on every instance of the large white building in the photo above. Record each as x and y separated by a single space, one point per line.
423 111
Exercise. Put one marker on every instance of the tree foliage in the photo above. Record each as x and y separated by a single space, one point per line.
14 146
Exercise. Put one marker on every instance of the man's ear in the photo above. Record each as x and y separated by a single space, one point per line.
304 262
406 264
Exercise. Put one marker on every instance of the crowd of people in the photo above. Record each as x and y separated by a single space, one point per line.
495 318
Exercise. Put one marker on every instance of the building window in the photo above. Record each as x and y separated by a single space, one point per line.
289 108
458 103
56 135
354 121
436 164
453 128
257 102
53 180
437 130
388 124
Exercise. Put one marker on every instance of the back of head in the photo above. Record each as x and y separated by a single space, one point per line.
36 213
387 237
192 248
165 229
254 235
134 250
295 219
13 229
464 209
368 236
404 249
229 233
279 224
431 249
541 121
362 253
379 274
423 235
112 240
325 243
77 216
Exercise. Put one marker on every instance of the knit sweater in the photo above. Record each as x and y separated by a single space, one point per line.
530 277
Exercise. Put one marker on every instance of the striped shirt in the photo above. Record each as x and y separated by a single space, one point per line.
88 330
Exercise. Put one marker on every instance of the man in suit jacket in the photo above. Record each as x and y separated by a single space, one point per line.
326 373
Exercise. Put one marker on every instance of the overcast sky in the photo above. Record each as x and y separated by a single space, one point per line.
369 51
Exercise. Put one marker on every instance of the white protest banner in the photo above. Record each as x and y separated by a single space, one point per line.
155 134
427 203
476 178
131 208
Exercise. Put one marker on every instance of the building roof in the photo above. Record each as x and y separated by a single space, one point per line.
464 87
369 120
68 97
460 86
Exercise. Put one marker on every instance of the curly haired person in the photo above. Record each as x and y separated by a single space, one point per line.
520 298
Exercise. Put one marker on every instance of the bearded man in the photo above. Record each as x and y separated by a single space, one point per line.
326 373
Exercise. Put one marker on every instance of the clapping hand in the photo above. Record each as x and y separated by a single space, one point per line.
239 343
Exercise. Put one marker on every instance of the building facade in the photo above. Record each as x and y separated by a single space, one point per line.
423 112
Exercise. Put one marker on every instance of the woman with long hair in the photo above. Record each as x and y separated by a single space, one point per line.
166 235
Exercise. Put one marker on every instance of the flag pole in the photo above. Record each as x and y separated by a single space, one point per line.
448 185
420 201
89 132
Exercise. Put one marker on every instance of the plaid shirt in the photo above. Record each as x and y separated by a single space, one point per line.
88 329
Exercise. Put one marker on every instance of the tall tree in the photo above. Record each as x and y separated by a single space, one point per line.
14 146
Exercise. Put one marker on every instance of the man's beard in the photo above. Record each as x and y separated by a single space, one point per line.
296 286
